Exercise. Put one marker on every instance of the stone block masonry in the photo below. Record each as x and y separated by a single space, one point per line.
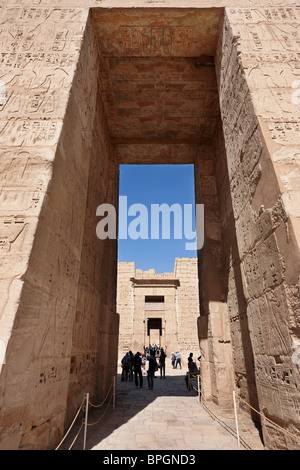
88 85
171 298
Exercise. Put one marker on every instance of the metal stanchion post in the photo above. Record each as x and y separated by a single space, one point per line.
199 390
86 420
236 420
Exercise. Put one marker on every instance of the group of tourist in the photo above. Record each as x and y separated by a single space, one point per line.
152 347
133 365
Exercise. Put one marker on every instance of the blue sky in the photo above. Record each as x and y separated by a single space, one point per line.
156 184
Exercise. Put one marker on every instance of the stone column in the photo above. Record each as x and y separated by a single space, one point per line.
213 324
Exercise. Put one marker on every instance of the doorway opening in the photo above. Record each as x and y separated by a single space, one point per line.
156 265
154 331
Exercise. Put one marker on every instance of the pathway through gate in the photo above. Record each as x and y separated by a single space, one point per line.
169 417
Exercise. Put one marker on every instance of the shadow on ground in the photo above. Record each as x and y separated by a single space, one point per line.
130 401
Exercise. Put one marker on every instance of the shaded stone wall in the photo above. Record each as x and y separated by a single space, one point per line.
213 323
239 339
38 340
53 308
95 328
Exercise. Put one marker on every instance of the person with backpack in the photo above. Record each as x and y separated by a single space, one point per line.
126 362
173 360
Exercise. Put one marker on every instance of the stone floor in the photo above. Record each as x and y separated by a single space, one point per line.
165 418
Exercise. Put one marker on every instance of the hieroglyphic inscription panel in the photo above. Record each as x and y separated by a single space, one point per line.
261 116
174 34
152 82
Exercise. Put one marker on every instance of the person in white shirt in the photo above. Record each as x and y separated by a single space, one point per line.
178 359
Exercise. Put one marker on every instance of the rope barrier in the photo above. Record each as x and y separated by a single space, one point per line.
221 417
98 421
272 422
251 435
226 426
113 395
85 408
98 406
73 442
71 425
259 413
201 398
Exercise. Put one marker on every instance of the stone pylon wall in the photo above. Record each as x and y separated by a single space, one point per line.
260 119
58 280
57 299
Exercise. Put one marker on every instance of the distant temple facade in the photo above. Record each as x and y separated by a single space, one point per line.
158 309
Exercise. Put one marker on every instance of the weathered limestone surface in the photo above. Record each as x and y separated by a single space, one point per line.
261 131
88 85
125 308
56 307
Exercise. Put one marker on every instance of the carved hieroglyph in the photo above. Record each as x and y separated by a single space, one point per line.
85 86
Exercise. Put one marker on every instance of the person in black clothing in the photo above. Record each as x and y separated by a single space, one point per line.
137 367
151 369
162 363
131 366
192 370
